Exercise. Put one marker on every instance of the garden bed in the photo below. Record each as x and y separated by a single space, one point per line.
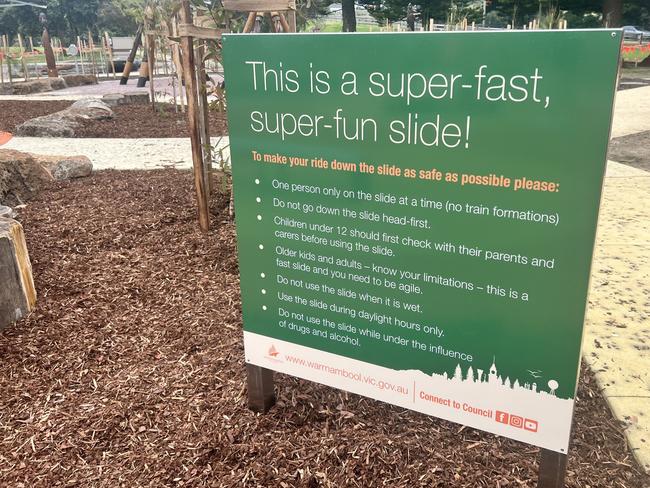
131 371
130 121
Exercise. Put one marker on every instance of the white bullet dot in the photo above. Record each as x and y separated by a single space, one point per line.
262 275
258 199
259 217
261 246
263 307
257 182
263 292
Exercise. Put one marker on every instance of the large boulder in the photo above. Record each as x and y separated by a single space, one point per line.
65 122
66 167
21 177
80 80
39 86
17 293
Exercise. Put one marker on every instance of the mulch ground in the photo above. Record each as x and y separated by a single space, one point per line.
130 121
131 371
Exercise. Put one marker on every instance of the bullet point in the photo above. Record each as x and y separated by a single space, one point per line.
263 291
259 217
262 275
258 199
261 246
263 307
257 182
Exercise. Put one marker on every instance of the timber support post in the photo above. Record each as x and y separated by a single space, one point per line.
189 74
128 67
261 393
552 469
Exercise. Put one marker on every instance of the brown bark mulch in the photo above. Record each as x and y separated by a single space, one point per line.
131 371
130 121
15 112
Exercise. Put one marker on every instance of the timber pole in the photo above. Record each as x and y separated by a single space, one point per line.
128 67
189 69
52 72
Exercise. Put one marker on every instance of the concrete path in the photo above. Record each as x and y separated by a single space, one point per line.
122 154
617 332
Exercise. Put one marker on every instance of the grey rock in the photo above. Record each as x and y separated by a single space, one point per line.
114 99
71 167
7 212
64 123
80 80
137 98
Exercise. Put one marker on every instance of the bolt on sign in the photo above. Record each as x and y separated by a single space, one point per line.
416 215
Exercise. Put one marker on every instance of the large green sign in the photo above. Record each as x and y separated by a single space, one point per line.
416 214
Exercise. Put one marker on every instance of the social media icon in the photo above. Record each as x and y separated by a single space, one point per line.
502 417
531 425
516 421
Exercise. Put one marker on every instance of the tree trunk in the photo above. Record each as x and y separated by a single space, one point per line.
349 16
612 13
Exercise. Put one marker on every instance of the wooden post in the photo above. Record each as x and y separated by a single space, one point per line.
204 118
176 58
2 70
129 61
5 45
189 70
151 51
91 46
109 50
552 469
52 72
81 56
250 22
261 394
22 57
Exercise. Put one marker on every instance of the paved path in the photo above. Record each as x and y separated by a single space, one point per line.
617 333
122 154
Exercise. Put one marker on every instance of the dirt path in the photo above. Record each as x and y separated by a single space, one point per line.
131 372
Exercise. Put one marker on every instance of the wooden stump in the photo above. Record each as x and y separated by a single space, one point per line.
17 293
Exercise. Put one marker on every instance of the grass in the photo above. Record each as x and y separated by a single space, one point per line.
333 26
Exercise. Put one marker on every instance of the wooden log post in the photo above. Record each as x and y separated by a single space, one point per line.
189 75
151 58
109 52
552 469
143 73
128 67
261 393
50 59
17 293
22 57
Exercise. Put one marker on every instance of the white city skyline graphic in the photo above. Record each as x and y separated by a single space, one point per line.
495 380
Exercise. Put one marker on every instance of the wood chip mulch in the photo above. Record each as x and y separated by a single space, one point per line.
131 373
129 121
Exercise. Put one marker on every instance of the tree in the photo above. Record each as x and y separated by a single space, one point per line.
349 16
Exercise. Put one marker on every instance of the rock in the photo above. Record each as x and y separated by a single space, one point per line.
21 177
7 212
88 108
17 293
65 122
47 126
66 167
137 98
114 99
80 80
39 86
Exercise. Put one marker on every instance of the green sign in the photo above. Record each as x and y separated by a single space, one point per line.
416 214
